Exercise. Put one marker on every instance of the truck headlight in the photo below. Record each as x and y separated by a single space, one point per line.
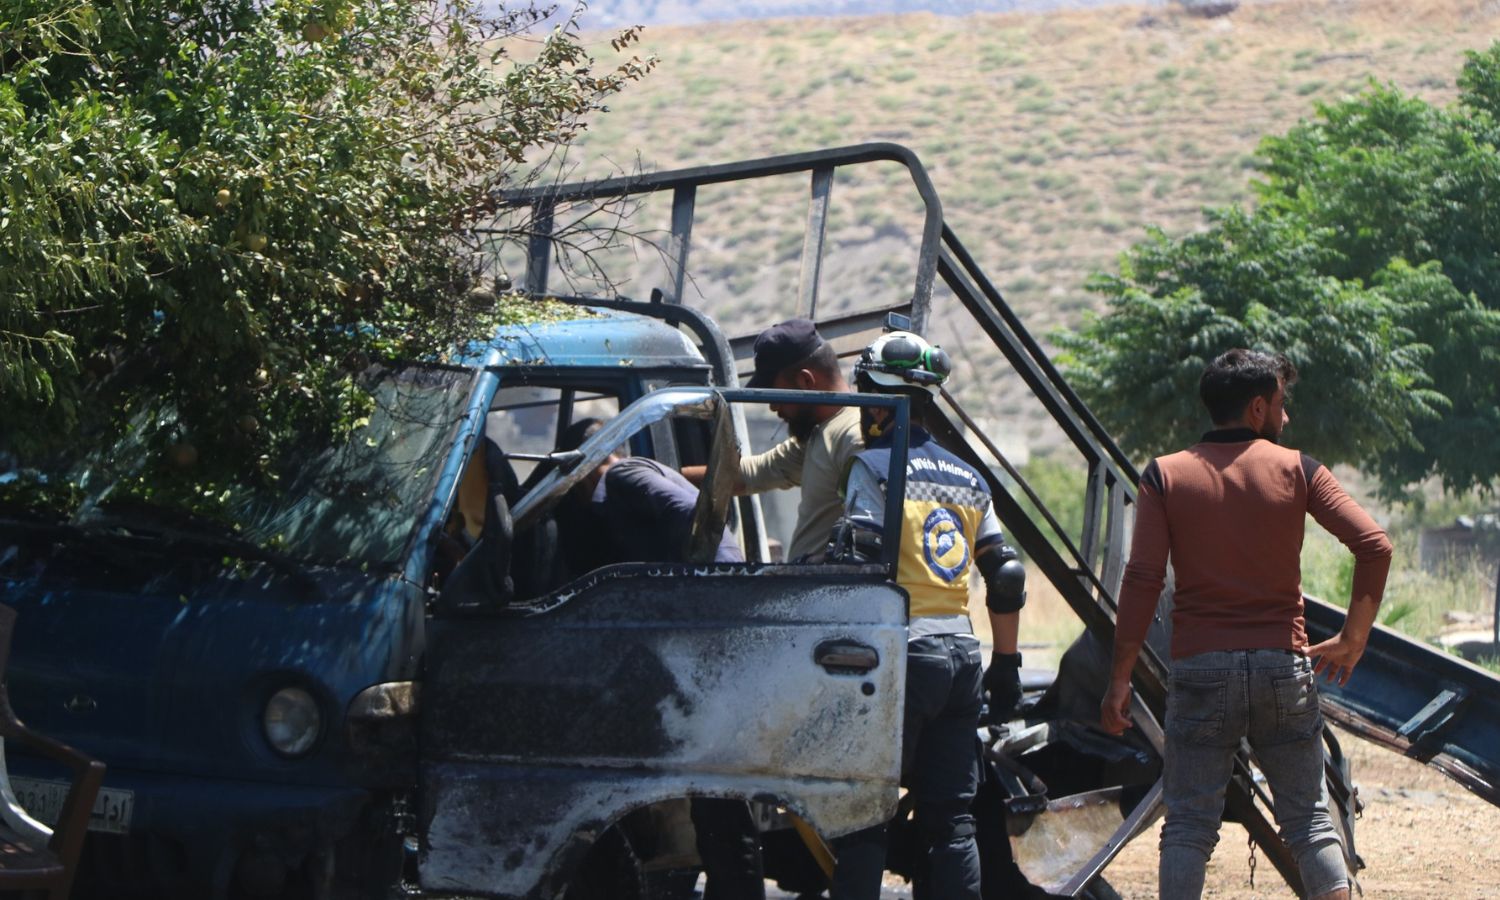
292 721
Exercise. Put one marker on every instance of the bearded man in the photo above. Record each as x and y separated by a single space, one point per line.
822 441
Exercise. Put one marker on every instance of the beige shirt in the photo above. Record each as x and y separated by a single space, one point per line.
819 466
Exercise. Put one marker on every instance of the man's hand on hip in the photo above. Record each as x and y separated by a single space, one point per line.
1114 711
1337 657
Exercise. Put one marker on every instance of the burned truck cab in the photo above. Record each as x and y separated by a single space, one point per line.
415 682
572 712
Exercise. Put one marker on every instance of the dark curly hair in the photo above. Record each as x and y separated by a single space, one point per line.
1235 378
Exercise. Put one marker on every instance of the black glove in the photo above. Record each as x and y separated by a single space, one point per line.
1002 680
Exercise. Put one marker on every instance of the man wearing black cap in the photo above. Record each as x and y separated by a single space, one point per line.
823 440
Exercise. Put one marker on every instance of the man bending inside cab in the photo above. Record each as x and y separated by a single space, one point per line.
634 509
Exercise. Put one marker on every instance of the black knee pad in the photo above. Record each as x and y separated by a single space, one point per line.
945 829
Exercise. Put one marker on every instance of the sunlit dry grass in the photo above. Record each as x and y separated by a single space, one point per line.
1418 602
1053 140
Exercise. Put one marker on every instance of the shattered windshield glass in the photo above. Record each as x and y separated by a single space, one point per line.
356 501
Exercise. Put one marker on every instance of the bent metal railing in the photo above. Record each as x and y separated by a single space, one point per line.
684 183
1086 570
1096 559
1455 729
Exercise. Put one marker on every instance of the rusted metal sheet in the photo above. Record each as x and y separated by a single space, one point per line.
534 738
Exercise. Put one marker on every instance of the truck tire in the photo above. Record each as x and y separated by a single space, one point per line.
610 871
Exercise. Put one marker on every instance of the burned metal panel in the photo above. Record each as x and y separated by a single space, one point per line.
549 817
1066 836
1418 701
541 729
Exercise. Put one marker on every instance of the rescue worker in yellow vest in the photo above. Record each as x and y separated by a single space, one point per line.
948 529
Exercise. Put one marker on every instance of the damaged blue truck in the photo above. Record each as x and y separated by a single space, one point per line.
365 711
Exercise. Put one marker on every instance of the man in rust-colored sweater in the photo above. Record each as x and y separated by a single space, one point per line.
1229 513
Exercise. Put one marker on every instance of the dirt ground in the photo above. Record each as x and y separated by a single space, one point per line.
1422 836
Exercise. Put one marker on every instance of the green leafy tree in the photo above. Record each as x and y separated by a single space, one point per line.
215 214
1371 260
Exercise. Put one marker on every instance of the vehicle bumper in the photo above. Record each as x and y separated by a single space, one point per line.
202 837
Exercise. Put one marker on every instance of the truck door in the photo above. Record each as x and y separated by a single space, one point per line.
546 720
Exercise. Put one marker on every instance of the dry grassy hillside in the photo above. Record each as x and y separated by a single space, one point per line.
1053 139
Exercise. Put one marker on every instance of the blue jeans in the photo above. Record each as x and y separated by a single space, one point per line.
1270 698
940 766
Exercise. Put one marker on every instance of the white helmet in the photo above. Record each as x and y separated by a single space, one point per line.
902 361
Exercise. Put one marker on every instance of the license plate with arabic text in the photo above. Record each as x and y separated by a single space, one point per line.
43 800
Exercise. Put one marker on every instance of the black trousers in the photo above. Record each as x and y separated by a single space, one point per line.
939 766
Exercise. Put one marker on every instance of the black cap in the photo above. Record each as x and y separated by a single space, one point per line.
783 344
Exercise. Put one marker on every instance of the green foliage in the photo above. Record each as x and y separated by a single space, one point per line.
1372 260
1396 613
215 214
1480 83
1416 599
1062 489
1247 281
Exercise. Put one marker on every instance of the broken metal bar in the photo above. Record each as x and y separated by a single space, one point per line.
539 249
1433 719
683 199
1146 721
812 241
1114 537
717 494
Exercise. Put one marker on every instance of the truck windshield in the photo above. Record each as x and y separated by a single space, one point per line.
360 501
353 502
